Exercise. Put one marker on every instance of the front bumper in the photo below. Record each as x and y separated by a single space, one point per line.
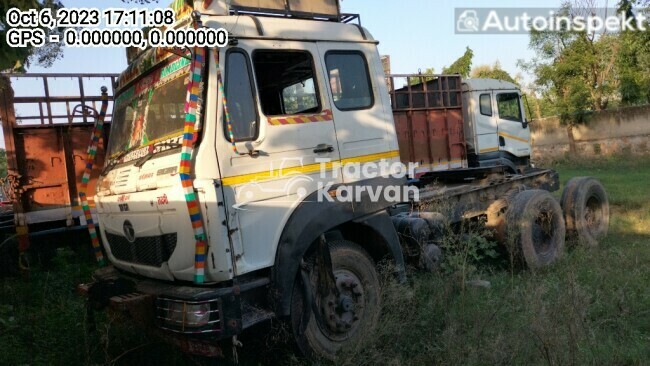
156 306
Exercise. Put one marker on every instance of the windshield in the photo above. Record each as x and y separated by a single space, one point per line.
152 109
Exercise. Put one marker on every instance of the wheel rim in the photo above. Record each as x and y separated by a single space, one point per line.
543 232
342 313
593 214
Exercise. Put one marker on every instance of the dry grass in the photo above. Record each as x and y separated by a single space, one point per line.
593 307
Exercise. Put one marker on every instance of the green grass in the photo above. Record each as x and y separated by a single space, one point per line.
593 307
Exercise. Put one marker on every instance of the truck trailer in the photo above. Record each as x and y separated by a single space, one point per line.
248 183
46 145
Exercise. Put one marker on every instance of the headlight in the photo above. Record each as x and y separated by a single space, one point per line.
188 317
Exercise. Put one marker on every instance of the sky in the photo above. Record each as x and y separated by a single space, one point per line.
417 34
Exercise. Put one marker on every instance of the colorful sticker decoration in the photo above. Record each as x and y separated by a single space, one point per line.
90 161
190 131
324 116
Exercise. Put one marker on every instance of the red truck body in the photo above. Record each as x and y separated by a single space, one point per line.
428 113
47 146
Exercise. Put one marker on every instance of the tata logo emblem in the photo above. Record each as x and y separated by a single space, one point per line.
129 231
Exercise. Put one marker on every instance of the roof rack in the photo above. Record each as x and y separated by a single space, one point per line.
342 18
323 10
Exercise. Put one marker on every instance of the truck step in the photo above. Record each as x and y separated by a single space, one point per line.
253 315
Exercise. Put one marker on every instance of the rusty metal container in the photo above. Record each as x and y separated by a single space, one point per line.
428 114
47 146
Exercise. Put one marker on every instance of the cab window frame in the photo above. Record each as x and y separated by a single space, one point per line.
480 105
253 90
314 71
519 106
368 78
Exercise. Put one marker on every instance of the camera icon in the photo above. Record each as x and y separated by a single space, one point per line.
468 22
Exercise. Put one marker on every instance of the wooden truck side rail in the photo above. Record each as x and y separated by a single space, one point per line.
46 145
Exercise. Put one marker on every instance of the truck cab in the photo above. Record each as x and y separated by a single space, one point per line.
496 129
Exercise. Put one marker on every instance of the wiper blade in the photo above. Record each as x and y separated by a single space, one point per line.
113 162
152 152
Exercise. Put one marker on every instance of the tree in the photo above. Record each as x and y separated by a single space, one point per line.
575 70
3 163
428 71
492 72
462 66
19 58
633 61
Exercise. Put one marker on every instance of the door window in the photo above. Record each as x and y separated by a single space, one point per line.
486 104
241 98
509 107
286 82
349 80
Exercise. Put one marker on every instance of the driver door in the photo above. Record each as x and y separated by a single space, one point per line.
282 126
512 128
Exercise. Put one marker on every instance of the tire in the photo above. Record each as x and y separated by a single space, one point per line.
535 226
586 210
496 213
351 264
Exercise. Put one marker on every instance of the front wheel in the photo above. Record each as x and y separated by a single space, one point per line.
336 320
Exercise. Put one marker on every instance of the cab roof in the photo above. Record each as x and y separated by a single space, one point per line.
487 84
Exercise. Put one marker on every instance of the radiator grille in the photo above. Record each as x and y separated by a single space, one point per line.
148 251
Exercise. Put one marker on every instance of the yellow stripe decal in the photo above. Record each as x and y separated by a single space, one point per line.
503 134
489 149
305 169
371 157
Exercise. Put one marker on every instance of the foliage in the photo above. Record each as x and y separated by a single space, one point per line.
574 68
19 58
462 66
492 72
427 71
633 61
464 252
590 308
3 163
538 106
578 72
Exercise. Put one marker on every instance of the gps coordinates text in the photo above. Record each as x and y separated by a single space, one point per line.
114 27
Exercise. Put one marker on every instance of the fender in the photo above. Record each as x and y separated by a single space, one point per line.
312 218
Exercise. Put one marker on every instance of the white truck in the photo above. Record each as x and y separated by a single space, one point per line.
294 174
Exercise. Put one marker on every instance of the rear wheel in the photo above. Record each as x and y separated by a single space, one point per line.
336 320
586 210
535 226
